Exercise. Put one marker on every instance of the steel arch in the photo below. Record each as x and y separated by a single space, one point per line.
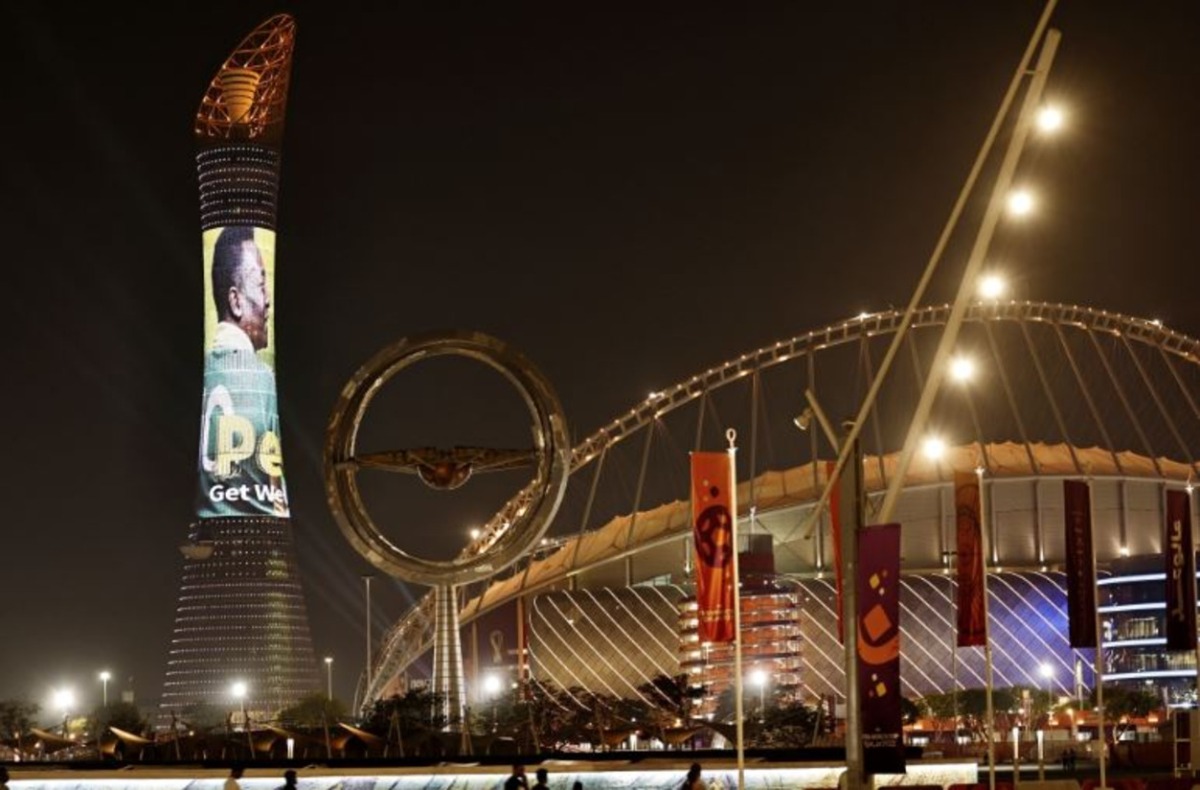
410 637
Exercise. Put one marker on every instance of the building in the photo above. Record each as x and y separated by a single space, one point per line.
241 640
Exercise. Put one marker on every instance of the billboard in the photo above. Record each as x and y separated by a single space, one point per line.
241 455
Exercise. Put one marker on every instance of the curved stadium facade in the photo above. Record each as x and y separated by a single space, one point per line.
1067 393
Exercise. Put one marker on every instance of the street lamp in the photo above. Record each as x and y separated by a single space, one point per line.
1020 203
64 700
329 676
1050 119
105 676
1046 670
491 690
962 369
238 691
759 678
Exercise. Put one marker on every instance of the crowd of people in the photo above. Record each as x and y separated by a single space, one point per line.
517 781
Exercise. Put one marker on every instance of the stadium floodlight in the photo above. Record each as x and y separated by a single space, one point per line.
962 369
1020 202
1050 119
992 286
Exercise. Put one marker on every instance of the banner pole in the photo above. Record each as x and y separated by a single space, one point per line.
851 501
986 550
731 435
1192 582
1099 667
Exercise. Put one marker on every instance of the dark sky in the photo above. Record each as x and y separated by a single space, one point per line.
627 194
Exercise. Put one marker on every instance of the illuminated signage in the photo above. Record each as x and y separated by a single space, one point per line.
241 456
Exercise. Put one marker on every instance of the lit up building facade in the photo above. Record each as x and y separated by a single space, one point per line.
241 638
771 636
609 628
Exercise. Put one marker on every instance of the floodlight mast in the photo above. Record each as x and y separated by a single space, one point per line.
855 776
966 288
934 260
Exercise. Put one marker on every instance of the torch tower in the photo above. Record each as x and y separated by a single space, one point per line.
241 621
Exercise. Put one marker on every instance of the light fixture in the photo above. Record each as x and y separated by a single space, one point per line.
1050 118
962 369
1020 203
992 286
934 448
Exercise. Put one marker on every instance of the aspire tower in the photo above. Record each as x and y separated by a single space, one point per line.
241 621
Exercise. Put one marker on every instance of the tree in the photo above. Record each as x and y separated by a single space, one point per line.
786 724
413 716
17 717
313 710
122 715
202 717
911 710
1122 704
972 706
941 708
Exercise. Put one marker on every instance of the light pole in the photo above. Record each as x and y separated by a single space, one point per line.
367 586
1046 670
329 677
105 676
64 700
491 689
238 691
759 678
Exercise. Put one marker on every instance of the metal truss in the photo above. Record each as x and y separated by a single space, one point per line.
412 635
247 98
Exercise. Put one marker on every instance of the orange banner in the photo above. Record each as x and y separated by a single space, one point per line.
712 534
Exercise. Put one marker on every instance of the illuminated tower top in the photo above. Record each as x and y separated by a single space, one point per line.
239 129
247 98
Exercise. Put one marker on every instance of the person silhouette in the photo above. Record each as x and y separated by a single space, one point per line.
232 781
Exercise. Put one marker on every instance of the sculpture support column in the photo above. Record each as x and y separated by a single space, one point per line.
448 681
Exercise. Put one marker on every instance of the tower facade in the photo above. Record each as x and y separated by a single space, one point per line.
241 640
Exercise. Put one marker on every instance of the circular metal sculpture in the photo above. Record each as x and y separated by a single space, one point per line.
447 469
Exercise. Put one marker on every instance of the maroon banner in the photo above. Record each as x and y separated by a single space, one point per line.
972 620
1081 566
1181 573
878 587
712 534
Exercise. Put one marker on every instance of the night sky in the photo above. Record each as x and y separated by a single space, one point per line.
628 195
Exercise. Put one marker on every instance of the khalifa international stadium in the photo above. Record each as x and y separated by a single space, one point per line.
1059 392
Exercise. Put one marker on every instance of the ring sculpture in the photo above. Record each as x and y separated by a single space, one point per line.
446 469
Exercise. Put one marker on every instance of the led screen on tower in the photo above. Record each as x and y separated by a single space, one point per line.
241 457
